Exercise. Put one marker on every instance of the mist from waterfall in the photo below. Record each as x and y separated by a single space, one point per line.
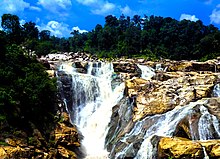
92 102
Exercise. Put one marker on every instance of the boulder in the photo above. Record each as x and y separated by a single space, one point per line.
182 148
51 73
127 67
157 97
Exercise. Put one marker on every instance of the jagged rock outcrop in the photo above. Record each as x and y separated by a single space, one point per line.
183 148
157 97
177 85
127 70
64 143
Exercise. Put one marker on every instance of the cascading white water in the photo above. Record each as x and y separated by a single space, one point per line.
166 125
216 90
147 72
93 99
206 123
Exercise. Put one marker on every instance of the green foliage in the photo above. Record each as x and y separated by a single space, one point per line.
26 91
43 48
153 37
209 56
2 118
3 143
11 25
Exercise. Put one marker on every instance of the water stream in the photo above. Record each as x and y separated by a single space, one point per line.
92 102
93 98
216 90
147 72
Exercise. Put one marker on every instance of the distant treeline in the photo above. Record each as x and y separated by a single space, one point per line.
151 37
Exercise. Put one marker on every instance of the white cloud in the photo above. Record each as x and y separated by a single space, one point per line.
78 29
188 17
13 6
106 8
37 20
35 8
99 7
59 29
215 16
127 11
87 2
208 1
55 6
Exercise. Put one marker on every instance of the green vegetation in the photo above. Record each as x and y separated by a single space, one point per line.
27 94
150 37
3 143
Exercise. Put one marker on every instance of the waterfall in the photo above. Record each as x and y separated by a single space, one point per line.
166 125
208 124
92 102
147 72
216 90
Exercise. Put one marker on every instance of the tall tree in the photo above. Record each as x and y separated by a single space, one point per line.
30 30
11 25
44 35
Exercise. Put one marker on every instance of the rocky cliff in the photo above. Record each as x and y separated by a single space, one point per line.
173 111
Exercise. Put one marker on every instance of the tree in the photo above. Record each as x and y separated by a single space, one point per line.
30 31
11 25
44 35
111 21
27 94
44 48
2 44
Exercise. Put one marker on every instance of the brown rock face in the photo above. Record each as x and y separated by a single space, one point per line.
128 69
157 97
183 148
66 144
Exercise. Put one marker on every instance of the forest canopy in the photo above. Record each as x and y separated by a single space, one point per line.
151 37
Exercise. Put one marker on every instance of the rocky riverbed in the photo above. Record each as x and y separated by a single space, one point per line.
173 111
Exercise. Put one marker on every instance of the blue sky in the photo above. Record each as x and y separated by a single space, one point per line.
63 16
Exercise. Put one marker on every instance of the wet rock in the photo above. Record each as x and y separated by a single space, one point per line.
213 105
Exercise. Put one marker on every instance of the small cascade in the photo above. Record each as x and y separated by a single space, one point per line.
145 132
95 99
205 153
208 126
164 126
147 72
216 90
91 104
158 67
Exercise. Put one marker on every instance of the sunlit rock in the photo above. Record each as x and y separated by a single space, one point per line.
182 148
156 97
